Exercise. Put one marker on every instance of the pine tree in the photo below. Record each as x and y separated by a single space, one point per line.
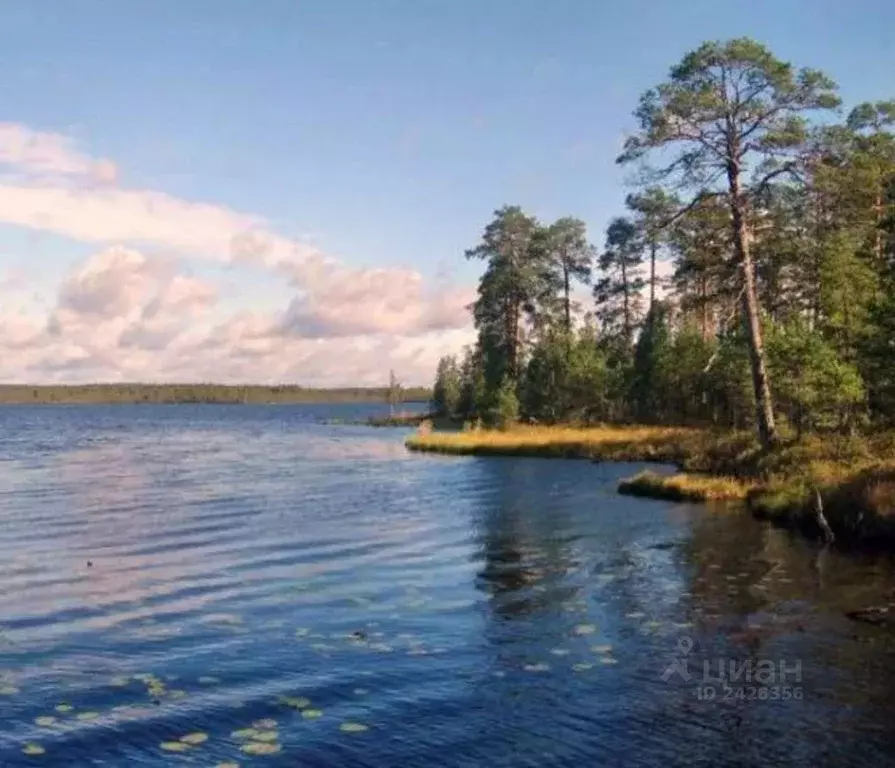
732 107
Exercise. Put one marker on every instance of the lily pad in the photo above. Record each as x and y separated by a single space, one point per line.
312 713
174 746
87 715
265 736
260 748
601 648
635 615
353 728
560 651
584 629
194 739
539 667
296 702
245 733
8 690
119 682
227 765
33 749
582 666
608 660
45 721
63 708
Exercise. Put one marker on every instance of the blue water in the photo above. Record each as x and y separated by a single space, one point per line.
177 570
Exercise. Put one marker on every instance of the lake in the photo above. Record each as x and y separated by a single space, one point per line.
204 585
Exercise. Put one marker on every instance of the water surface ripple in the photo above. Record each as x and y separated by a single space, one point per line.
177 570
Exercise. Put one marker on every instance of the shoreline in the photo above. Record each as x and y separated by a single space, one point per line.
852 479
196 393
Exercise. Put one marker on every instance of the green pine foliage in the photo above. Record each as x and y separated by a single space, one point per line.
750 283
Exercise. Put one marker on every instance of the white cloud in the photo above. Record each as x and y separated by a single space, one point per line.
40 153
126 315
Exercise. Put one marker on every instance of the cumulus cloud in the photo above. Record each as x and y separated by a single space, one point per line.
122 299
124 314
394 301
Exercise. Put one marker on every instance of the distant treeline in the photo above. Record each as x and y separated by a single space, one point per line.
199 393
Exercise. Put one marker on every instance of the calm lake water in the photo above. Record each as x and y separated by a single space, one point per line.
196 571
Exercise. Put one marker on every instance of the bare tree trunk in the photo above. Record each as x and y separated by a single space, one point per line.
568 309
704 300
827 532
652 276
764 405
627 303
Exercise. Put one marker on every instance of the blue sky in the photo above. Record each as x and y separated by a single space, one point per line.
381 132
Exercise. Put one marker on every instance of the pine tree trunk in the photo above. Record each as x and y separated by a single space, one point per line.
764 406
652 277
568 308
627 308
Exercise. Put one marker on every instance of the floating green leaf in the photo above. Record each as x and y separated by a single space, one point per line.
63 708
296 702
560 651
312 713
608 660
174 746
265 736
601 648
584 629
194 739
45 721
582 666
245 733
260 748
8 690
33 749
87 715
353 728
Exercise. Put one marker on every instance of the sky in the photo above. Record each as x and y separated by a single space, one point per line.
282 190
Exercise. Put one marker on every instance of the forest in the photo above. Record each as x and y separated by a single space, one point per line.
747 281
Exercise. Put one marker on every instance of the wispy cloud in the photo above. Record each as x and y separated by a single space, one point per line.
126 314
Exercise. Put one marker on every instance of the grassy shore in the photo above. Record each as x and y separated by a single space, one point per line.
854 478
686 487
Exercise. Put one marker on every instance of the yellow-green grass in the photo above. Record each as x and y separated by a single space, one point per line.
686 487
603 443
855 477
